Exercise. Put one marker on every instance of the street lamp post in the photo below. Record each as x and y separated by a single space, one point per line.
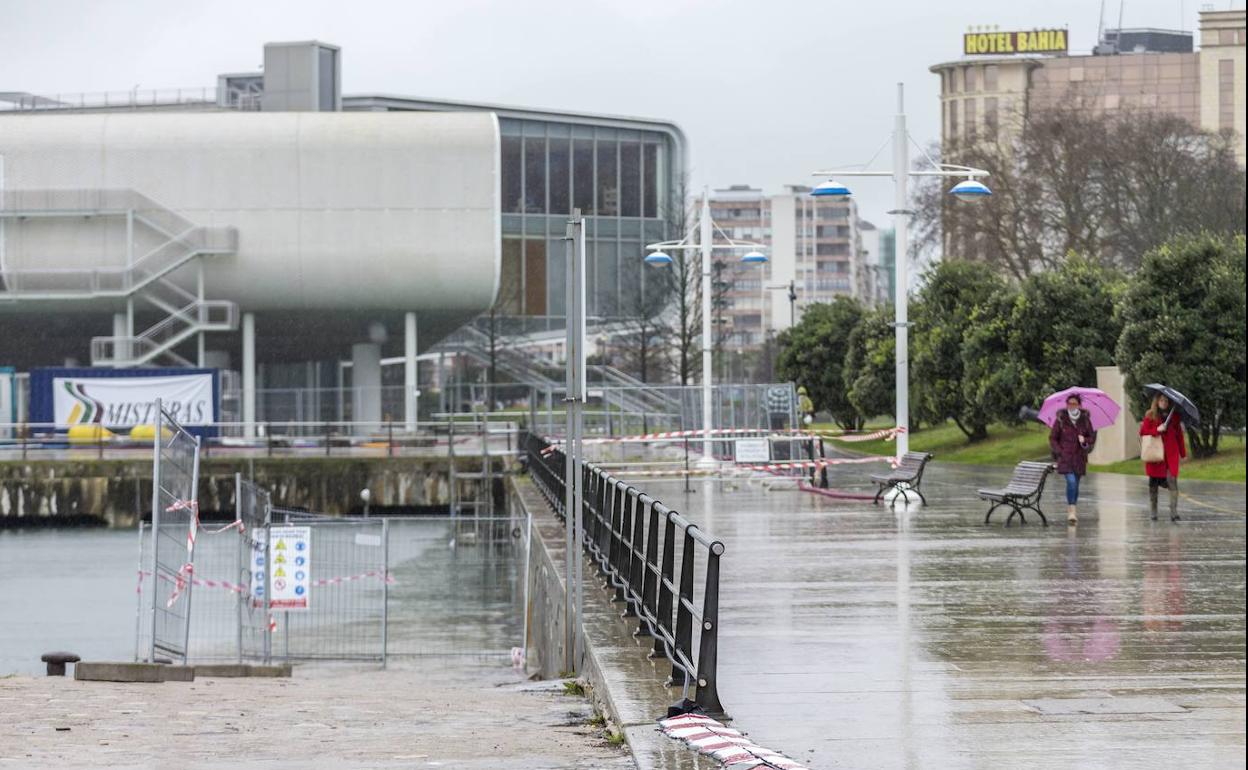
658 256
968 189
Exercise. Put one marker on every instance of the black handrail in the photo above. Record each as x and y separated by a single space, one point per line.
633 540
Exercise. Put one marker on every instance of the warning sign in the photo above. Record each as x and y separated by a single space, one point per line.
289 587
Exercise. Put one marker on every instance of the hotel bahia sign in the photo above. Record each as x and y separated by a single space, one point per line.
1005 43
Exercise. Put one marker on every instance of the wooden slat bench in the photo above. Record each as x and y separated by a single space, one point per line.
1021 493
905 478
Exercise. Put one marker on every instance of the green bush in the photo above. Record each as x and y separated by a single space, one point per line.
1183 321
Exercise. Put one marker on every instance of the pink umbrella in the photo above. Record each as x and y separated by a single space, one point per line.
1102 409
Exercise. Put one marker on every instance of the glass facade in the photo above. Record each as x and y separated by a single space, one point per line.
619 178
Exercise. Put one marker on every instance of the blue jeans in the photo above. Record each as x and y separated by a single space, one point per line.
1072 488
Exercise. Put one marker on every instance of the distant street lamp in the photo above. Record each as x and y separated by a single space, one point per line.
657 255
970 189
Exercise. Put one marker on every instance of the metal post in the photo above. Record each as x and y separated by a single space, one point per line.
901 175
385 589
138 613
238 560
266 604
528 548
705 243
579 428
151 657
201 353
569 449
186 648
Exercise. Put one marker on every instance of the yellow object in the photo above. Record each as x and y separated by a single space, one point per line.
148 432
91 433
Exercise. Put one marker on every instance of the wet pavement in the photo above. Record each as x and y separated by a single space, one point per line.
855 636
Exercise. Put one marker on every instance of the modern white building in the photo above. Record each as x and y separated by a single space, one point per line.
272 226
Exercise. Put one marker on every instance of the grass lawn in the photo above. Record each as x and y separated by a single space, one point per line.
1011 444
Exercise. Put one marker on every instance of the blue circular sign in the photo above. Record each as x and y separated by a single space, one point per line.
298 590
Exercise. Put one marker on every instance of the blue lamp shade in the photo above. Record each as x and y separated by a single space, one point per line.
830 187
658 259
970 190
754 257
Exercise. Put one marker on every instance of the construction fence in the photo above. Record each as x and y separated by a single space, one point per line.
298 586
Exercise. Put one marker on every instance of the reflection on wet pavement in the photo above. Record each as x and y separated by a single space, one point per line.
855 636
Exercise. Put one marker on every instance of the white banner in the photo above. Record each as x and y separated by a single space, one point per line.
123 402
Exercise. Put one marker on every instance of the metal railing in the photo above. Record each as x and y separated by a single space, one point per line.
634 538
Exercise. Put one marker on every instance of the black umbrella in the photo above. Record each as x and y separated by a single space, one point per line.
1187 410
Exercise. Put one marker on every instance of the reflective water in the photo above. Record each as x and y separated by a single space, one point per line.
66 590
456 591
853 636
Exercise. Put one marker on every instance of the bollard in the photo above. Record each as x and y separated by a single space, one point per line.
56 661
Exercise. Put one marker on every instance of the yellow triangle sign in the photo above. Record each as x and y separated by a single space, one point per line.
281 545
279 573
280 559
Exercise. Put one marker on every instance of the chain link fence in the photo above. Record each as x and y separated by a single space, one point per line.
376 588
175 472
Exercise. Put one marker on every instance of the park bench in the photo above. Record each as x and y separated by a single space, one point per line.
905 478
1023 492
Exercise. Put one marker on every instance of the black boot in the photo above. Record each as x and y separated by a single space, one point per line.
1152 501
1174 499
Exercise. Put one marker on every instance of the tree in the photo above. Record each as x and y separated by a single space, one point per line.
813 355
684 286
1183 321
1075 179
869 374
1064 325
942 318
645 341
992 377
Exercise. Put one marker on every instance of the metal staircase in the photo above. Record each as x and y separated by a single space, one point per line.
146 276
618 390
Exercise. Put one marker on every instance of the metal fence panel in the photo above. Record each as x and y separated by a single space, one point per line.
175 474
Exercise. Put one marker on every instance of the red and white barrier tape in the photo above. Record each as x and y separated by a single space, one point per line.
372 573
186 571
724 744
888 434
767 468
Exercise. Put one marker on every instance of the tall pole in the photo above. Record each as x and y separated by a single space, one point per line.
901 174
705 243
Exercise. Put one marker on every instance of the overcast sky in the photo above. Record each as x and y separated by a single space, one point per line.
766 91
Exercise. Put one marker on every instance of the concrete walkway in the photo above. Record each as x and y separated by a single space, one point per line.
438 715
853 636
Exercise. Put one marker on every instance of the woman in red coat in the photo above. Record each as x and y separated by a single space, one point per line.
1159 421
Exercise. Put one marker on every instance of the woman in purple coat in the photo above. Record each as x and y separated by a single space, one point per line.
1070 440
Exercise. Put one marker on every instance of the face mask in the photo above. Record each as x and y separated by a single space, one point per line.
1074 413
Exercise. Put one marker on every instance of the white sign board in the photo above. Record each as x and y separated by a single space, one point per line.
123 402
753 450
290 560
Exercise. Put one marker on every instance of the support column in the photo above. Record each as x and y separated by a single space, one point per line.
119 330
410 373
366 382
249 375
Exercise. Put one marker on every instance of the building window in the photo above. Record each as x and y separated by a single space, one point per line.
971 78
991 72
953 120
511 278
583 175
1226 93
512 174
630 179
650 180
534 175
534 277
971 122
990 116
953 80
608 186
560 175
